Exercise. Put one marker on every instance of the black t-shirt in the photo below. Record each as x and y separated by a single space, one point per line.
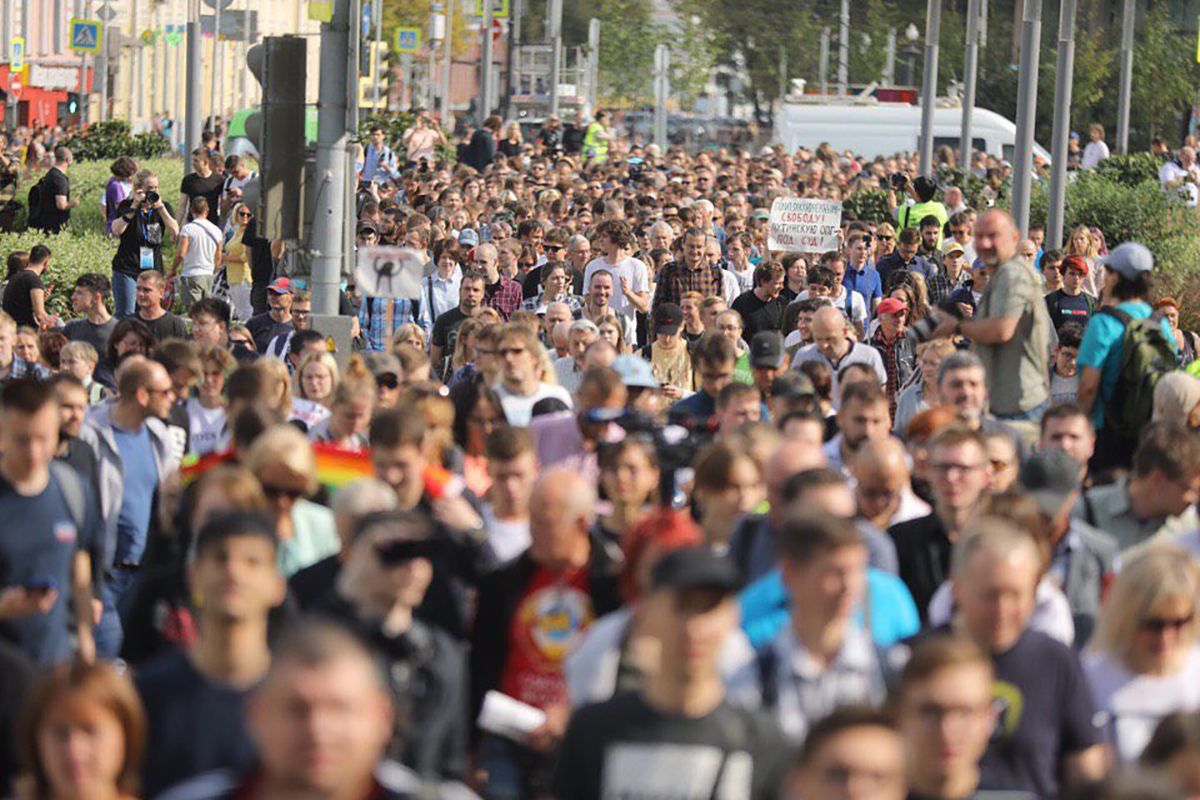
195 725
923 550
145 230
1067 308
1046 713
17 300
209 188
81 330
41 547
315 582
263 328
759 315
624 748
168 326
54 183
14 689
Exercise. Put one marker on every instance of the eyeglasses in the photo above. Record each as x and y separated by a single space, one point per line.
275 492
387 381
946 468
240 341
1160 625
245 214
299 313
885 237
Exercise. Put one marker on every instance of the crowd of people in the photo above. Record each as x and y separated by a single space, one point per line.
622 505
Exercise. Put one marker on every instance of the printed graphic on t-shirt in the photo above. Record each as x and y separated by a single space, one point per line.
549 621
675 772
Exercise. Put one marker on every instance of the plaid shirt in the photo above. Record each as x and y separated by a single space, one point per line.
505 296
20 368
899 361
675 280
940 287
372 319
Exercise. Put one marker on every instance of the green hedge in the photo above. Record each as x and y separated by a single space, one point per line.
105 141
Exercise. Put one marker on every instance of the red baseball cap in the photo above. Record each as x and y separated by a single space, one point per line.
891 305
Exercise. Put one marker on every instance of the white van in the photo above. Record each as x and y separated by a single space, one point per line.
871 129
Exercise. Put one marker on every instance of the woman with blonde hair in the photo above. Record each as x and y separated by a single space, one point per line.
350 409
1083 244
464 346
612 331
83 734
315 382
410 333
279 385
284 462
437 410
235 261
512 142
1144 660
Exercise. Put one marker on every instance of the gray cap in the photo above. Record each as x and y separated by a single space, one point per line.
383 364
1050 476
1129 260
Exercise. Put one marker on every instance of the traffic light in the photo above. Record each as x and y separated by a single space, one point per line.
370 77
277 130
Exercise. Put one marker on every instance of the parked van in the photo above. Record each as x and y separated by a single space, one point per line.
871 129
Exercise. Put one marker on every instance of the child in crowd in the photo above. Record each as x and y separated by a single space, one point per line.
79 359
1064 374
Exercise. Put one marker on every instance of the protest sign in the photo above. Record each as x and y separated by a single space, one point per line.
389 272
800 224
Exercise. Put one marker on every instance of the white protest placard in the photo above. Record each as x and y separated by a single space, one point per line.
803 225
389 272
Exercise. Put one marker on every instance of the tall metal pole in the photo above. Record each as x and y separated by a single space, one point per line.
823 61
933 29
352 68
555 31
1128 23
448 62
783 73
1031 37
155 83
134 61
377 21
193 80
889 62
333 142
1062 123
970 74
662 90
843 66
593 63
485 65
215 98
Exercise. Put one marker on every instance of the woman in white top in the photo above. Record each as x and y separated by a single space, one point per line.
206 411
315 382
1144 661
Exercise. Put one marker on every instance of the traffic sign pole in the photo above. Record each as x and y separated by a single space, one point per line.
485 67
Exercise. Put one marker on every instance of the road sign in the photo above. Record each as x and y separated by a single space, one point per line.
16 54
14 87
85 35
408 40
497 30
499 8
106 14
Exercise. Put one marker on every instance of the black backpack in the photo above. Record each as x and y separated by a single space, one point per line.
34 202
1146 355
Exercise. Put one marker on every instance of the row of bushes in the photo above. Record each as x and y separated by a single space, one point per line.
105 141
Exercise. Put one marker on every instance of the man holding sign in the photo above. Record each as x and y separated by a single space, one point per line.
802 225
389 280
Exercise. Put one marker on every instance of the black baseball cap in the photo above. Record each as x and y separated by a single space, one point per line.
1050 476
695 568
792 385
667 318
766 350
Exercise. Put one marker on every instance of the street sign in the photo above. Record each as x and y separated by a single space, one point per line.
85 35
213 4
497 30
388 272
16 54
106 13
174 34
408 40
499 8
14 87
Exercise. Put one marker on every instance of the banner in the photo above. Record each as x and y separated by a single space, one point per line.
389 272
802 225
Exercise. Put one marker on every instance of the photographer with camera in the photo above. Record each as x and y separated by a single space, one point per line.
144 220
921 192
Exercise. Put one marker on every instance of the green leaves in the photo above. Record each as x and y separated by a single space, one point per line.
108 140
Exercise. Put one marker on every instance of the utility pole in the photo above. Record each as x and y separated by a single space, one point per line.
662 90
333 142
933 29
783 73
135 55
377 22
448 61
593 63
554 12
1031 37
823 58
485 66
970 74
193 79
1128 23
1064 72
215 100
844 50
889 63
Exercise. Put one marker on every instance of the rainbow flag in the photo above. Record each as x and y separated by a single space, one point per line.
335 467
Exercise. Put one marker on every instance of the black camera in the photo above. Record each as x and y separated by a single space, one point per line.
151 196
922 330
898 180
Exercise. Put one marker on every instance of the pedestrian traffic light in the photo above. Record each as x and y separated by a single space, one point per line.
278 131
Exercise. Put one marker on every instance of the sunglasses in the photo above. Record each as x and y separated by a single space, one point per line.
240 341
397 552
388 381
274 492
1162 624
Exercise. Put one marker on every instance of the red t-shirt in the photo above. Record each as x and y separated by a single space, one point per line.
550 618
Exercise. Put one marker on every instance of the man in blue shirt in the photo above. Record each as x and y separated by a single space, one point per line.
714 357
1127 285
905 257
860 275
379 162
51 524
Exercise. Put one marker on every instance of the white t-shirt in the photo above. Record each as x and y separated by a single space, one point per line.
518 409
308 412
631 269
1172 171
206 425
1093 154
203 239
1134 704
507 539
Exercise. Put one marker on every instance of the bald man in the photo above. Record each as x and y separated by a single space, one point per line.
883 488
834 344
1011 327
532 612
